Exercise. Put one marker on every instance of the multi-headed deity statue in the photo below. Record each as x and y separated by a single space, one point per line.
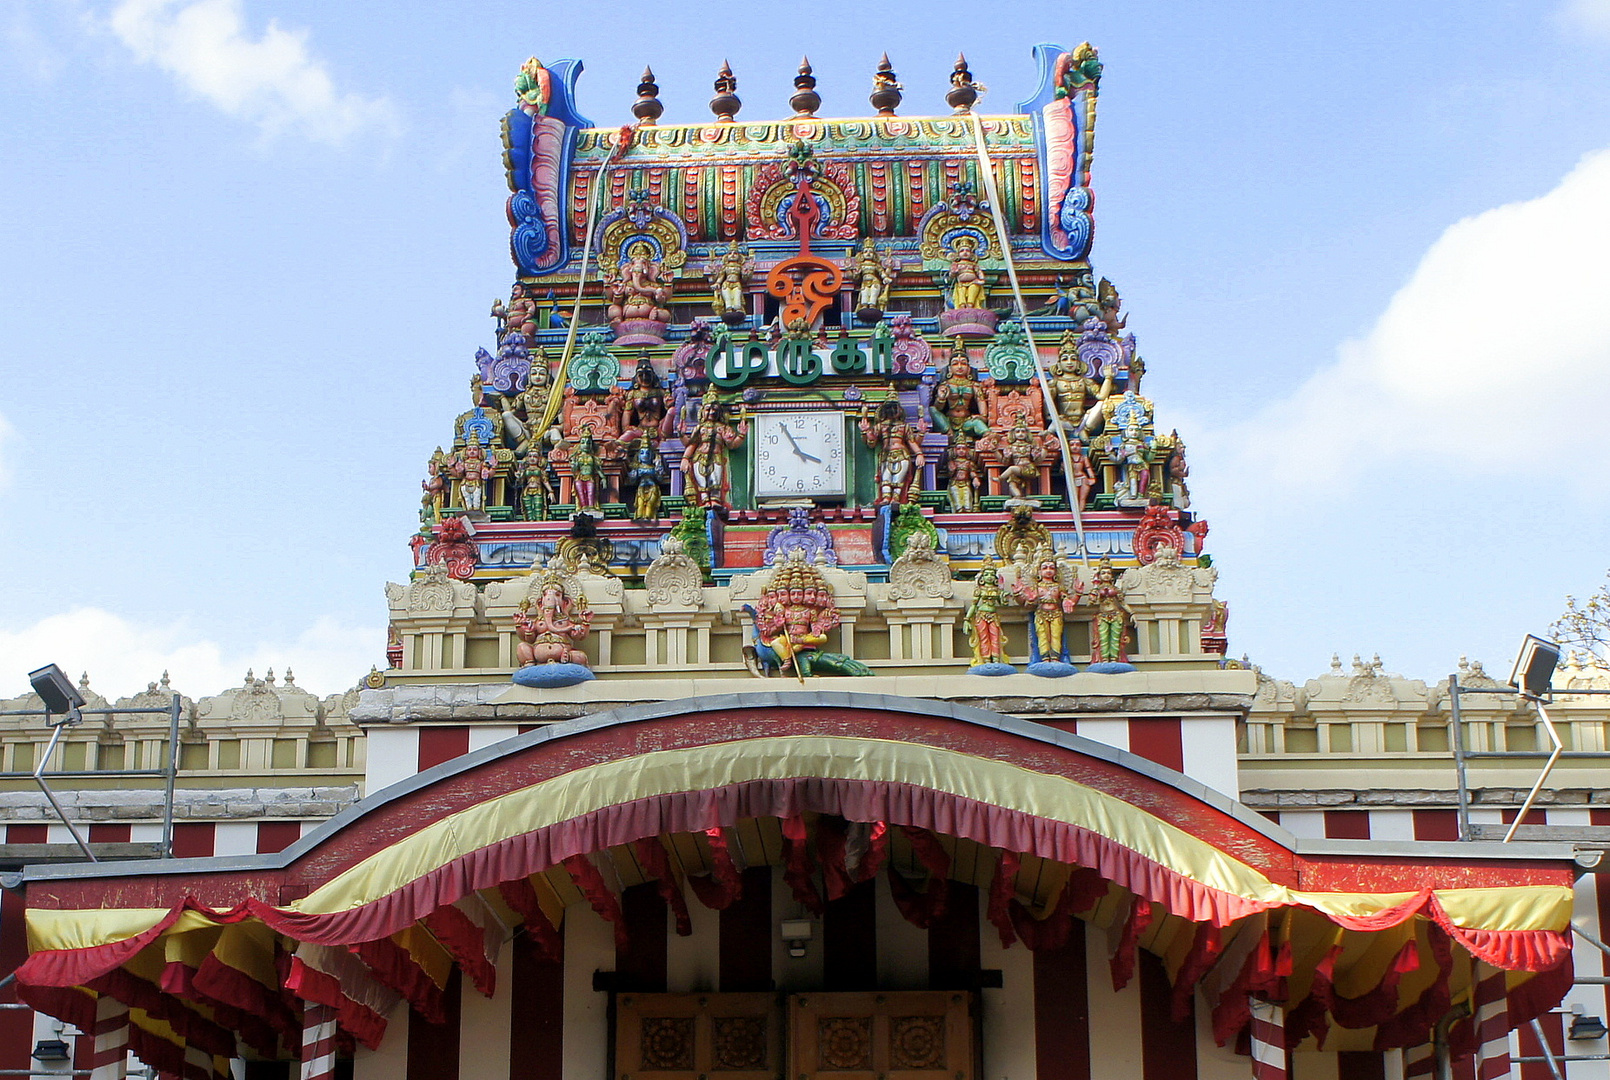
983 617
519 314
1050 601
472 467
729 281
958 403
794 616
1078 397
873 272
645 477
1109 628
966 473
638 290
966 283
553 624
898 448
587 472
705 452
1023 454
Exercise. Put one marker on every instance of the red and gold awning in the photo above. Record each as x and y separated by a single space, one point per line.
385 900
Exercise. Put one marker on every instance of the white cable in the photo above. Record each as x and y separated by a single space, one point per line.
992 196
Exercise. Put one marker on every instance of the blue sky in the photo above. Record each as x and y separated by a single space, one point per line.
247 248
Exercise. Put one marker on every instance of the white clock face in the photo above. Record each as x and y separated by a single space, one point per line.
799 454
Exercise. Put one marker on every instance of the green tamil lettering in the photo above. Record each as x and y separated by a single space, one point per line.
797 362
750 360
882 362
847 357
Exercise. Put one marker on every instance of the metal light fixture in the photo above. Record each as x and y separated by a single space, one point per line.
51 1050
58 693
795 934
1585 1028
1534 666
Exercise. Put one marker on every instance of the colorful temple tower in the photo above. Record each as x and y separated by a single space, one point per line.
810 668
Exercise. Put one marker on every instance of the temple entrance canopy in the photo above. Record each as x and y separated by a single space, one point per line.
1365 950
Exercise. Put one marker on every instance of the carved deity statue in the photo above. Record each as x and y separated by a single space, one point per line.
1132 450
873 273
729 280
519 314
795 613
1082 478
637 290
435 487
1175 470
586 472
1078 396
966 473
983 617
958 403
551 626
472 467
645 477
898 448
1051 602
1109 628
1023 453
643 407
965 281
705 451
535 490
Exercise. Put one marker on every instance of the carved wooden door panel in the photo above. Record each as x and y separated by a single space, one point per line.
895 1035
698 1037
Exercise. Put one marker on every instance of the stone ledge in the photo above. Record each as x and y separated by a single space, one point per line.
1381 799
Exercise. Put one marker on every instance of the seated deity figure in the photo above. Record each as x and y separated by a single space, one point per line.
705 450
968 288
551 629
898 448
636 290
958 403
1078 397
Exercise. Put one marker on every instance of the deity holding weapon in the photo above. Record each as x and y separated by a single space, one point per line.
796 612
519 314
1051 602
898 448
643 407
472 467
874 274
705 453
1078 397
551 629
983 617
729 280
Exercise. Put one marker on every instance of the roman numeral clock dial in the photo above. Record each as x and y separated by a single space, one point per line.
799 454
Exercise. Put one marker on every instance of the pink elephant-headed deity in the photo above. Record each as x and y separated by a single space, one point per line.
551 623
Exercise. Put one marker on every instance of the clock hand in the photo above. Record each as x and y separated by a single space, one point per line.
802 455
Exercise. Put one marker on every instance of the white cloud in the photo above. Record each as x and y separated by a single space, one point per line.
270 80
1591 16
122 655
1490 364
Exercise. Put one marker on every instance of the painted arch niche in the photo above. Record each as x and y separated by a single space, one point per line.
384 901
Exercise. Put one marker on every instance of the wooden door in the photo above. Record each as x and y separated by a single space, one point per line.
897 1035
698 1037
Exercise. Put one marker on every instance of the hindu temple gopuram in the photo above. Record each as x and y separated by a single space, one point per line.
811 669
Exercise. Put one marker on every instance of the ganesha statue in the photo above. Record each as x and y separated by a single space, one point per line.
551 623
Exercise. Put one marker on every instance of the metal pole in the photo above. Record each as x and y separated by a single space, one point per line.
50 748
1590 938
1548 1051
1548 767
1459 756
172 776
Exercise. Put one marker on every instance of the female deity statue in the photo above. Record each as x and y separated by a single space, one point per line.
1110 627
898 448
643 407
958 403
728 284
1023 454
704 455
874 274
551 628
535 492
472 468
586 472
983 617
636 290
1050 602
968 288
966 473
645 476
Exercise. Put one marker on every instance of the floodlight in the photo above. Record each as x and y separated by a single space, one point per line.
1534 666
51 1050
1586 1028
57 691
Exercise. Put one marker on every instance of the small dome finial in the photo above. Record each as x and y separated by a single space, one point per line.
726 104
963 91
886 95
806 100
647 107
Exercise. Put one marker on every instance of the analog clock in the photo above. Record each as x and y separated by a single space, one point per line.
800 454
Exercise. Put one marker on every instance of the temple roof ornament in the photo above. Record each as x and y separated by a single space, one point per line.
886 95
726 104
647 108
806 100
